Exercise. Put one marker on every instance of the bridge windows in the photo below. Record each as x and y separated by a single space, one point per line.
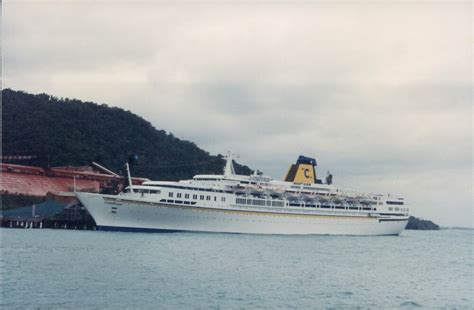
395 202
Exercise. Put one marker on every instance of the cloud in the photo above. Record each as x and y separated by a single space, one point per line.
380 93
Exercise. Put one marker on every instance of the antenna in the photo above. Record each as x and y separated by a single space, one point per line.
329 178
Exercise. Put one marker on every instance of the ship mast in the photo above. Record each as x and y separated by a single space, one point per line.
229 166
129 177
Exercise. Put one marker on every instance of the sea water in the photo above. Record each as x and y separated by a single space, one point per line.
94 269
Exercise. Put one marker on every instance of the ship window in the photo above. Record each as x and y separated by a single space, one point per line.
201 197
390 209
170 194
208 197
178 195
395 202
222 199
186 195
215 198
195 196
277 203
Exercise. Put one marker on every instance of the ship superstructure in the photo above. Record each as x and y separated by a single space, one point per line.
228 202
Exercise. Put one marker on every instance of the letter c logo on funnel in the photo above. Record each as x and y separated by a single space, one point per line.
306 173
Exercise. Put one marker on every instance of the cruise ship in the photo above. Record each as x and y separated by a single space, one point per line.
251 204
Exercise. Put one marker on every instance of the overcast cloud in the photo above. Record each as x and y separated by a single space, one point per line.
378 92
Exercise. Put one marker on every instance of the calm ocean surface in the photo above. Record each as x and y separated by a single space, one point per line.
90 269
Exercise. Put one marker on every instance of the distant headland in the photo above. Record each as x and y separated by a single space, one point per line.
420 224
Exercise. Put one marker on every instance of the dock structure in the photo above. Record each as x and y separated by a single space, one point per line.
40 223
53 213
54 185
37 181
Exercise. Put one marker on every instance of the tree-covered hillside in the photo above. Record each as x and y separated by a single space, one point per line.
71 132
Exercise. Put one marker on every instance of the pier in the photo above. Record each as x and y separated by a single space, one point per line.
50 223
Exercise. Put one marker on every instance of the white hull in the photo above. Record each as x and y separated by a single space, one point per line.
115 213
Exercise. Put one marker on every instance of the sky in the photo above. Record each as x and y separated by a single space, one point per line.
379 92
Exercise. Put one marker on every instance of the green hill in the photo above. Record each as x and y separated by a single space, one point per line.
71 132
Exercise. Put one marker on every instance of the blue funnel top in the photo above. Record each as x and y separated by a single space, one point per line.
306 160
